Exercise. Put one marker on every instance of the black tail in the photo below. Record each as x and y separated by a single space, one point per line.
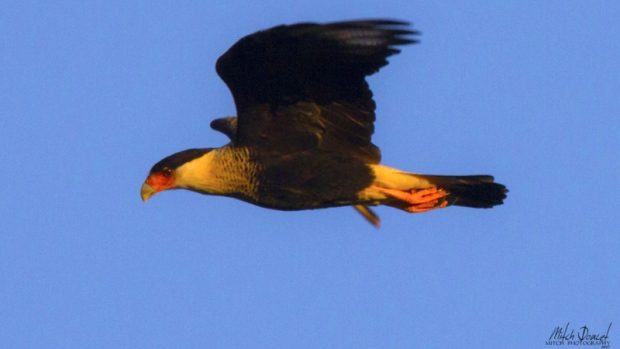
471 191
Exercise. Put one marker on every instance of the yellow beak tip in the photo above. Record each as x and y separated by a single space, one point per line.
146 192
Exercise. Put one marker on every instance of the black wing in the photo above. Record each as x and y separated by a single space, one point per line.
303 86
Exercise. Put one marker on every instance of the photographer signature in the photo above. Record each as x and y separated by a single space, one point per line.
583 336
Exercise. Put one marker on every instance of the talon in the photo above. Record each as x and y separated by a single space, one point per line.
427 206
426 195
417 201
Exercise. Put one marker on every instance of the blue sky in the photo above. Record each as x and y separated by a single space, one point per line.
92 94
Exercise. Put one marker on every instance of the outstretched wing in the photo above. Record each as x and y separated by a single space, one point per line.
303 86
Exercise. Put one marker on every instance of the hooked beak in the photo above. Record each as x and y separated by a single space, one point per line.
146 192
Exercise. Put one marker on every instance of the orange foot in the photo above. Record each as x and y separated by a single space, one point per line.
416 201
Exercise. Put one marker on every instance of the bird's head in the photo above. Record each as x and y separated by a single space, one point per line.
167 173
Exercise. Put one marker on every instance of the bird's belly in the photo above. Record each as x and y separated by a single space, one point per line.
312 182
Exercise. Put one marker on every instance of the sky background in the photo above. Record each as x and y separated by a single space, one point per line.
93 93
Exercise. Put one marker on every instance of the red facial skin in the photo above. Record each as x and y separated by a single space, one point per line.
161 180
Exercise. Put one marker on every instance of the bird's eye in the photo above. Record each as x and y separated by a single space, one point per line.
167 172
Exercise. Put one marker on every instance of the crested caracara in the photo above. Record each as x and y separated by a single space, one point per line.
302 135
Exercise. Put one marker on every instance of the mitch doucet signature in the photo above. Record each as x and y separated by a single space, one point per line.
581 337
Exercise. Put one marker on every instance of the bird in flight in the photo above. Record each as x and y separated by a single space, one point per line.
302 135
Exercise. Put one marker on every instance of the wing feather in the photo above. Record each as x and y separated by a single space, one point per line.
303 86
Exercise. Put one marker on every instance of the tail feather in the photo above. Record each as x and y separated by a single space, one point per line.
471 191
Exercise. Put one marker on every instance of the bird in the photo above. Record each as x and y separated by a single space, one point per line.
302 135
